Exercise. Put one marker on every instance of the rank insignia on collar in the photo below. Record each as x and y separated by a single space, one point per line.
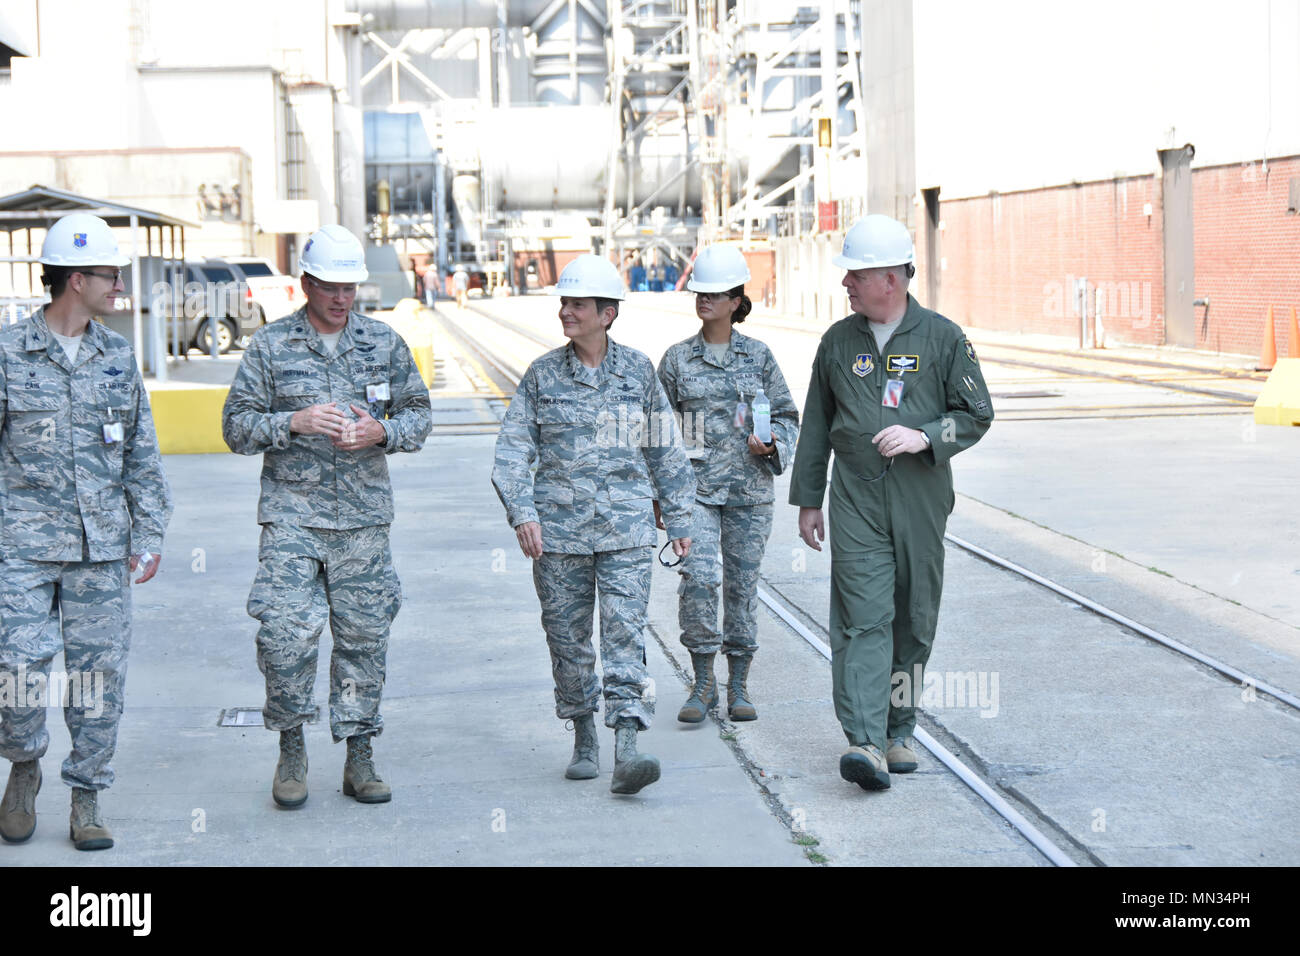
903 363
862 365
970 352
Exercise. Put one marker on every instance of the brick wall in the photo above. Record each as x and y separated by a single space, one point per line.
1010 261
1247 252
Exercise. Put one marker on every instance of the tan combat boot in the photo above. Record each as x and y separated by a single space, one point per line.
739 706
704 693
585 764
18 809
865 766
632 771
86 827
359 777
289 788
900 756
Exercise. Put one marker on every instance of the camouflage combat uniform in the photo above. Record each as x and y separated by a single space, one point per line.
606 447
74 508
324 512
733 498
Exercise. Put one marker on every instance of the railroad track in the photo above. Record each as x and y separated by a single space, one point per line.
1048 838
492 376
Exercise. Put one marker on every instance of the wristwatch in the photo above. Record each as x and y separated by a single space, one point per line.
926 437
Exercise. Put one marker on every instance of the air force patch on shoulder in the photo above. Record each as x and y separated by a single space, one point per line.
970 352
862 365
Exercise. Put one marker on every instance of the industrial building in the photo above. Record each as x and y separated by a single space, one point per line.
1059 167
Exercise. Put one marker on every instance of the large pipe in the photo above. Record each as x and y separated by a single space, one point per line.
440 204
445 14
467 197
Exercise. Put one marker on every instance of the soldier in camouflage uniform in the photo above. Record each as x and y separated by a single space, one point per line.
84 498
325 395
594 418
712 378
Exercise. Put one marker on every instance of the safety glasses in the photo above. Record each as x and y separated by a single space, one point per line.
114 277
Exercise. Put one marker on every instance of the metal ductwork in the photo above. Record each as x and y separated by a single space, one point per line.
445 14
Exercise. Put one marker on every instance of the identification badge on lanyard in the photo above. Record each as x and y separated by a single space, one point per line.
378 393
112 429
893 393
738 420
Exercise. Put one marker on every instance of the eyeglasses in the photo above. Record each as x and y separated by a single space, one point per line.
114 277
332 289
889 463
668 564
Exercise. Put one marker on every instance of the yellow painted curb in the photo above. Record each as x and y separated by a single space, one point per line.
188 420
1279 402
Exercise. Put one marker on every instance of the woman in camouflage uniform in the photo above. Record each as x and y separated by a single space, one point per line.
711 380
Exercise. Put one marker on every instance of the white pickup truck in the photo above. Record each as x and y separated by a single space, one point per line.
271 292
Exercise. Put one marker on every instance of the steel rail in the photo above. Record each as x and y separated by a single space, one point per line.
965 774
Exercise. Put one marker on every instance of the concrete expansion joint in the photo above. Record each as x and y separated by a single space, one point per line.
731 736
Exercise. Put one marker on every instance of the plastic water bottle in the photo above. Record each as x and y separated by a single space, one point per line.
763 418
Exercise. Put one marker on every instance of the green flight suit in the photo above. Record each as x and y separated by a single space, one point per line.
886 535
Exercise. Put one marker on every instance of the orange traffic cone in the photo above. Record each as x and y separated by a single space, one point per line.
1295 335
1268 354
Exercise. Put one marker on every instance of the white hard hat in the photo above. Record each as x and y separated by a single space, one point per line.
718 269
80 239
590 276
333 254
876 241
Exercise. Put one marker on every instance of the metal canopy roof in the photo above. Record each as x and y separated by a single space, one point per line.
38 207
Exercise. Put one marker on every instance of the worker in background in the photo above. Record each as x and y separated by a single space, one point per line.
717 380
84 504
325 395
460 284
429 287
593 418
896 391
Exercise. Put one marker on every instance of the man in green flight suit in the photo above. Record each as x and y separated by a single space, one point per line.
896 391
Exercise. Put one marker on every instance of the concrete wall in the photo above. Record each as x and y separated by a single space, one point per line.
147 74
1009 261
236 109
889 101
314 106
806 284
165 181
